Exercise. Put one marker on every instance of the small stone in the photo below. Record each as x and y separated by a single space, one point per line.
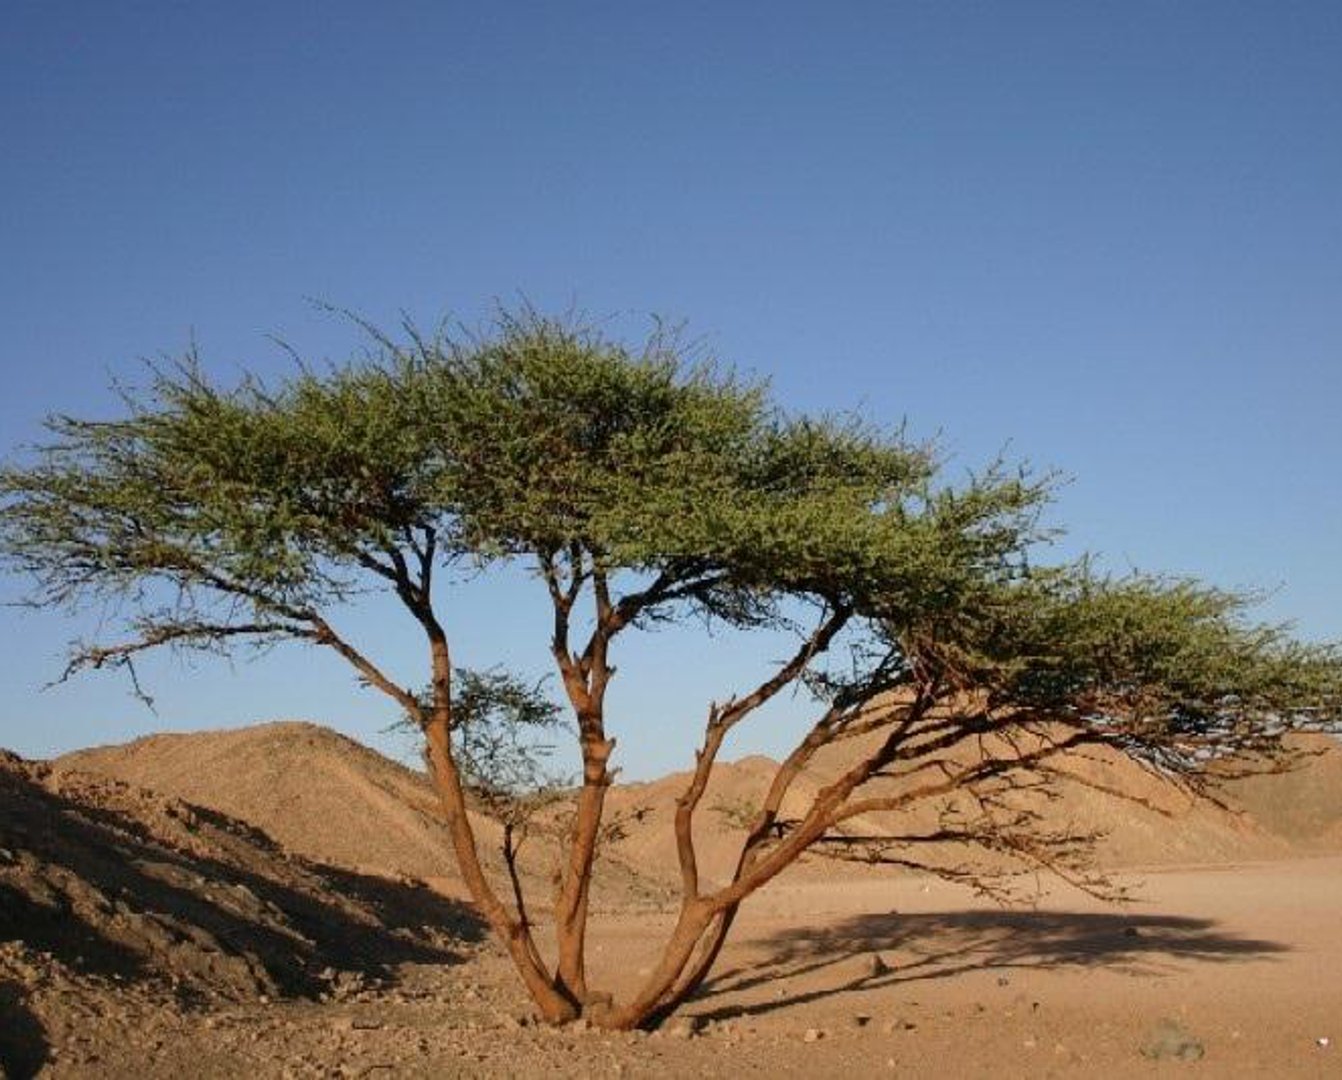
1168 1040
813 1035
874 966
682 1027
861 1020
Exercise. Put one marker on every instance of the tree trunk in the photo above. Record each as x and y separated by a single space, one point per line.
516 937
645 1009
571 911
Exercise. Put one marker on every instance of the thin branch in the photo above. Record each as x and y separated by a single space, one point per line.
189 634
962 779
720 721
323 634
511 851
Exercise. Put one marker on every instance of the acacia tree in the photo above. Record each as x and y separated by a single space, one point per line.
641 488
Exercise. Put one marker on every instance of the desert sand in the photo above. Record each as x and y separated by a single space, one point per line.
276 901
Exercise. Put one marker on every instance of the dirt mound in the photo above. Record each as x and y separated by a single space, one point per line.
329 798
1303 806
1142 820
116 883
313 790
141 935
732 798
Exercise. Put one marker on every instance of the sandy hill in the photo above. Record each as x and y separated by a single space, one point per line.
1145 821
734 792
103 880
313 790
1304 806
1299 812
330 798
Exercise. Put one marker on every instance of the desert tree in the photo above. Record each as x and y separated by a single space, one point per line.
949 666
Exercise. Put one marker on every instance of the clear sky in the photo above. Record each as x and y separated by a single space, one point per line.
1106 234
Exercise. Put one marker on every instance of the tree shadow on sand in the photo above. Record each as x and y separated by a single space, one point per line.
947 944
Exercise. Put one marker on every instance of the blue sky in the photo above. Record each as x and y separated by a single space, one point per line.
1107 236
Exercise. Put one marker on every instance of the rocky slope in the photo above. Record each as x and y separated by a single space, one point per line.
327 797
118 904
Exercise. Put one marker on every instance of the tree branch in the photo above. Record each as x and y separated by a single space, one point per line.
188 634
323 634
721 721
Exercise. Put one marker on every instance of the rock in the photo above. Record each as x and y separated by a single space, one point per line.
681 1027
1169 1041
813 1035
874 966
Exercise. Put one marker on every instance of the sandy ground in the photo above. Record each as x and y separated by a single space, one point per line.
1243 962
141 935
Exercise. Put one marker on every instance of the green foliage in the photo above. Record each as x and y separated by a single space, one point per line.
498 722
215 516
544 440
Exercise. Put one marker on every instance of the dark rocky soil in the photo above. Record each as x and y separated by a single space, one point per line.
125 908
